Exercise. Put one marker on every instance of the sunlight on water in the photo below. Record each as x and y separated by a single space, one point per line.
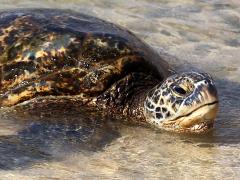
205 34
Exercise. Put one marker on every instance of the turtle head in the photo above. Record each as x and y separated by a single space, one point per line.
183 102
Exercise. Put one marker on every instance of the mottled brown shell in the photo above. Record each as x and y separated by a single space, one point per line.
62 53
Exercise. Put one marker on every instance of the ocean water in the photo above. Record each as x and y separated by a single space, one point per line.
200 33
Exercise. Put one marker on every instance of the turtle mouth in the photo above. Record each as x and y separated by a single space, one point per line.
208 104
197 121
201 119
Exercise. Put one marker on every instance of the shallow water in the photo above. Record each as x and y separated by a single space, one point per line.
205 34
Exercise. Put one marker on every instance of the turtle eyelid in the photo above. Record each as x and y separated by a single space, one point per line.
180 90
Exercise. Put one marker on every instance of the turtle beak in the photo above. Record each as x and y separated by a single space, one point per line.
199 115
204 114
201 119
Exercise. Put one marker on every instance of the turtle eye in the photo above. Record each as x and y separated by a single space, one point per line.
179 90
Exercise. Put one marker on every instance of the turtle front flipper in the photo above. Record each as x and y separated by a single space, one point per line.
65 82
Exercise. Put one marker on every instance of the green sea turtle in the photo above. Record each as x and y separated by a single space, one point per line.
99 65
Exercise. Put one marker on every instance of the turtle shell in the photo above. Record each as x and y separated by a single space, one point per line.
62 53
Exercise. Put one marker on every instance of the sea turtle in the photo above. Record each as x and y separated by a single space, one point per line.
99 65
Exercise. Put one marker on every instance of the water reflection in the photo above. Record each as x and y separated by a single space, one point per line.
48 139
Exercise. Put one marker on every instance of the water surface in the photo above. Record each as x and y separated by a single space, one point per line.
200 33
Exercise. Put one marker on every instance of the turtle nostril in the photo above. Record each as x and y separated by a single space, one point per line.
212 90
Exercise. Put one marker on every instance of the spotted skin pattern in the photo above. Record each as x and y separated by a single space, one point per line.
180 91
